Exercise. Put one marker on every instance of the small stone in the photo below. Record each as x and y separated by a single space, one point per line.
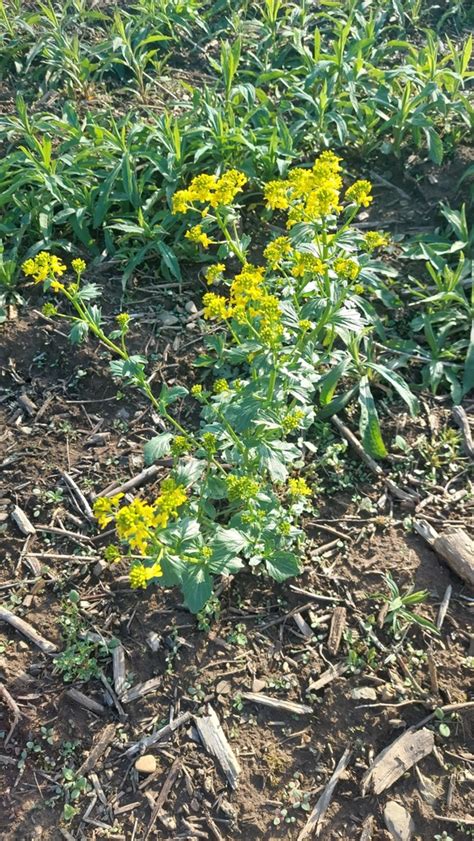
398 821
364 693
190 307
258 685
146 764
168 318
99 568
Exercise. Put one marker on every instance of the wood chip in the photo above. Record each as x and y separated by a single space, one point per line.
314 823
84 701
443 608
25 628
104 740
462 421
141 689
22 522
338 623
78 495
396 759
302 625
368 828
27 404
216 744
329 675
276 703
15 709
159 735
455 547
118 665
163 795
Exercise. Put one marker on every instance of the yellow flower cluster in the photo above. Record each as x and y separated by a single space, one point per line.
276 251
359 193
105 508
210 190
140 575
299 488
220 386
78 265
248 300
374 239
305 262
215 307
346 268
241 488
137 521
292 420
214 273
198 236
44 267
308 194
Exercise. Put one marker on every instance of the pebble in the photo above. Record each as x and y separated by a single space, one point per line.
167 318
364 693
398 821
190 307
145 764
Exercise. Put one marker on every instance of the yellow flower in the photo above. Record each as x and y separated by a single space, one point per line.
140 574
214 273
306 262
43 267
299 488
208 189
198 236
49 309
359 193
196 390
220 386
276 251
276 195
104 508
227 188
57 286
78 265
181 201
215 306
172 497
122 320
305 324
346 268
374 239
292 420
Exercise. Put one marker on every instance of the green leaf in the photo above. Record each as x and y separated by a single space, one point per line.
157 447
435 145
170 395
227 543
197 587
282 565
468 378
369 422
328 383
189 471
399 385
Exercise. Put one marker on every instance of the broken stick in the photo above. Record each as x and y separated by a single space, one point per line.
276 703
25 628
314 823
13 706
215 742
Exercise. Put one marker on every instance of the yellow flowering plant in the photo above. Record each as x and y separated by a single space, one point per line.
295 343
